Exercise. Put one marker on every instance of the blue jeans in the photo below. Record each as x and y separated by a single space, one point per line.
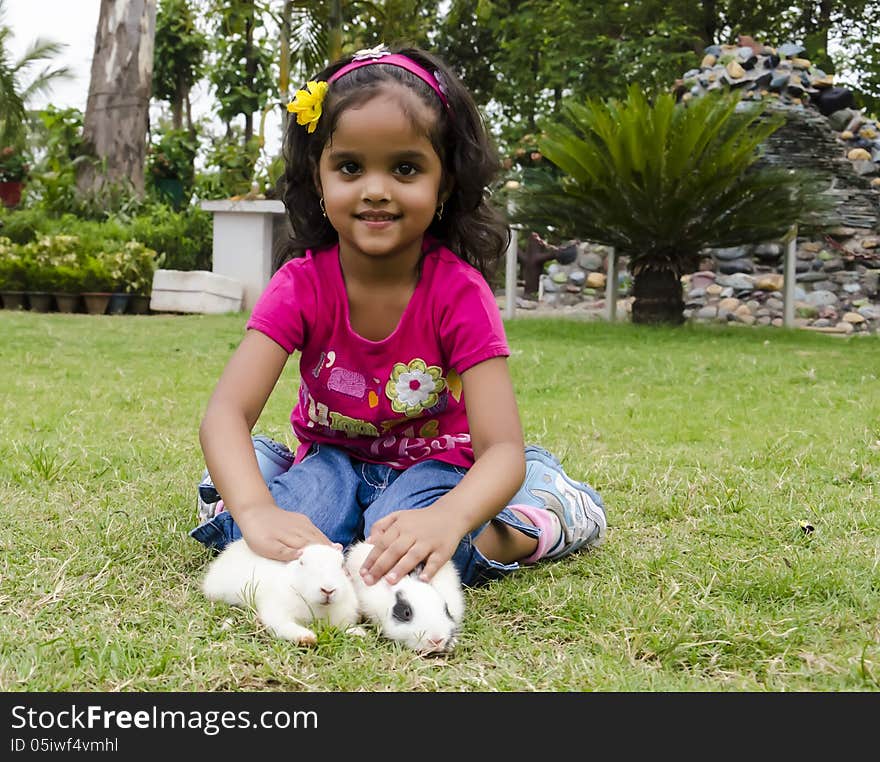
344 497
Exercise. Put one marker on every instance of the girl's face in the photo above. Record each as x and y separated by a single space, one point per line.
381 177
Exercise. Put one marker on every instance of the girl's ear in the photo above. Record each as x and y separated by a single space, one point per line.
446 188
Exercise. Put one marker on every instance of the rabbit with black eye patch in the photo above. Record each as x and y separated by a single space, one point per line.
425 616
287 596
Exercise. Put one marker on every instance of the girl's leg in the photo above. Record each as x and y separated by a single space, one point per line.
423 484
273 458
569 514
322 486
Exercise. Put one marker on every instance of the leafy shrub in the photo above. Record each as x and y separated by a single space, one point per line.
184 238
132 266
96 275
22 225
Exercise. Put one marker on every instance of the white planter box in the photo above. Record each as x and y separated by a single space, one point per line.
195 291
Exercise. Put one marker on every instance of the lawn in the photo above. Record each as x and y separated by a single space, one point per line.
739 466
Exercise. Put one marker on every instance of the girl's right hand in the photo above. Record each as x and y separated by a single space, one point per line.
281 535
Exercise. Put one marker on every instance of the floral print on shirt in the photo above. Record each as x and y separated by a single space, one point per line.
414 387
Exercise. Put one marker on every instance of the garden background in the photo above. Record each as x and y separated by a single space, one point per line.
739 466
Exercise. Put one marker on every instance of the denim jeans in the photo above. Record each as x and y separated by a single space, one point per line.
344 497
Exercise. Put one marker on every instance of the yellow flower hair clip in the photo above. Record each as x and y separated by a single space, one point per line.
306 104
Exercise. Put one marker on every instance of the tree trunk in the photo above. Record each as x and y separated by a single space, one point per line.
117 111
334 37
657 298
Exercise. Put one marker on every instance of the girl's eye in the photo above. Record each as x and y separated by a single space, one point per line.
349 168
407 170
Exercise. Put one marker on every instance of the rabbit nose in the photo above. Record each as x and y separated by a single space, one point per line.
328 591
437 643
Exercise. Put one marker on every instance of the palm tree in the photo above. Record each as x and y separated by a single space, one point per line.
15 90
662 181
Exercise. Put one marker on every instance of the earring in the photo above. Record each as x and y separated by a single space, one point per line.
321 203
440 212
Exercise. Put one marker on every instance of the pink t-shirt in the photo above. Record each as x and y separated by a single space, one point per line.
397 401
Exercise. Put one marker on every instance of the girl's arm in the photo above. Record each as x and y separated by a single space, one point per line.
405 538
225 436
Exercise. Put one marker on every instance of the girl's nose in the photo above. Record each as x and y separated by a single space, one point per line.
375 188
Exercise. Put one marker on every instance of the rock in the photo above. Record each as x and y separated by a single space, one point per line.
739 281
590 261
737 266
806 311
729 254
735 71
770 282
596 280
821 298
707 313
853 317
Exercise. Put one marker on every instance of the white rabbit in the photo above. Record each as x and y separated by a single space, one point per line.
287 596
425 616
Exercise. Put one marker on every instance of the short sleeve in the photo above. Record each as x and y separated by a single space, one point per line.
471 329
284 307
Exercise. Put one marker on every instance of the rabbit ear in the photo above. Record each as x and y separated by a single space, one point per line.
420 567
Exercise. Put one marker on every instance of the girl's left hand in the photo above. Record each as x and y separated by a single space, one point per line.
404 539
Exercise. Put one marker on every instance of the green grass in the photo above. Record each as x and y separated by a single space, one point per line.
710 447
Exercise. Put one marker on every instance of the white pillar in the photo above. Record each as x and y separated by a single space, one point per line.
788 285
611 285
510 277
242 247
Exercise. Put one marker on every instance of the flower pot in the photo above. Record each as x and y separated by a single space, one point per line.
14 300
10 193
96 302
139 304
68 302
40 301
117 304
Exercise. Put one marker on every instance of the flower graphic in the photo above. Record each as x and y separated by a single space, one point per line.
306 104
414 387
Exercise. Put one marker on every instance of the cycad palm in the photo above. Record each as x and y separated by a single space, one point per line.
662 181
14 92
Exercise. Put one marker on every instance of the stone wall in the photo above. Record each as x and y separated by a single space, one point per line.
836 284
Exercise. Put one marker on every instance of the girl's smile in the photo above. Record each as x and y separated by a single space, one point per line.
381 178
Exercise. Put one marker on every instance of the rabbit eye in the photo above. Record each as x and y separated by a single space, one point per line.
402 611
448 613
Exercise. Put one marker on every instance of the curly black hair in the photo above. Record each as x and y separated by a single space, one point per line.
470 226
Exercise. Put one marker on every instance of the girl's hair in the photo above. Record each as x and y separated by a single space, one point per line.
470 225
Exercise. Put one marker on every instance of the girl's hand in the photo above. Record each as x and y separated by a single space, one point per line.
404 539
281 535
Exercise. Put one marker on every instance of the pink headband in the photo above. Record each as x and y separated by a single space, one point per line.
384 56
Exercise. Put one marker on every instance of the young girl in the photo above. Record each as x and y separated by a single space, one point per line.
406 418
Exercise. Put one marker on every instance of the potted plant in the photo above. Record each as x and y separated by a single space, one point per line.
66 282
38 278
13 173
13 282
142 265
97 283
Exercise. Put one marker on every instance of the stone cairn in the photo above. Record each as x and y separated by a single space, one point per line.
837 288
